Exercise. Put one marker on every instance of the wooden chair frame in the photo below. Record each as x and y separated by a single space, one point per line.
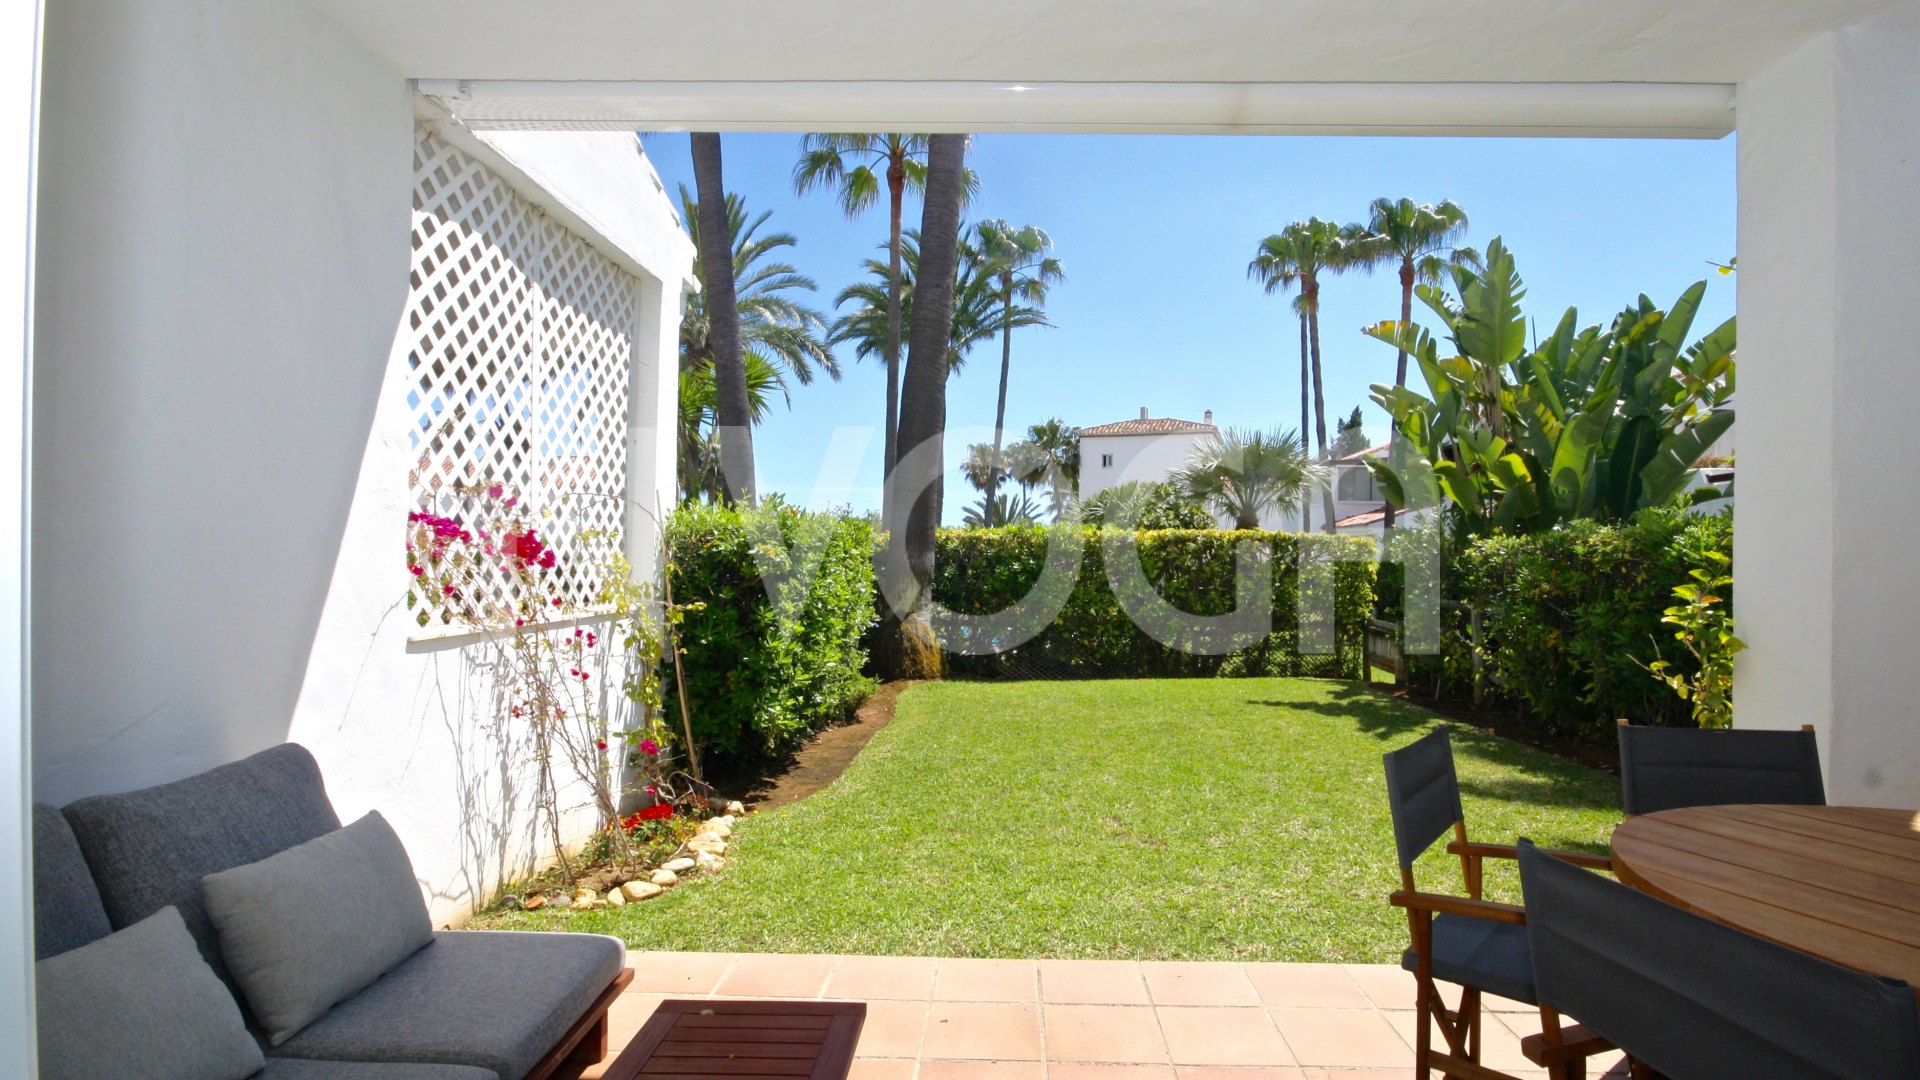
1562 1051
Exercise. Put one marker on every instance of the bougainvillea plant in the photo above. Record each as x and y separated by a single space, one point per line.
495 574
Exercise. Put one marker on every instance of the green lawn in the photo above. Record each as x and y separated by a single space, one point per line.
1204 819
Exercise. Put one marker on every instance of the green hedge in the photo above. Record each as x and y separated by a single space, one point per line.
1570 615
978 571
761 674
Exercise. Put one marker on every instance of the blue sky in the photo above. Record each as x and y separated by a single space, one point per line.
1155 233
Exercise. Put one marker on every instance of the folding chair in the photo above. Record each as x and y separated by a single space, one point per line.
1474 943
1697 1000
1665 768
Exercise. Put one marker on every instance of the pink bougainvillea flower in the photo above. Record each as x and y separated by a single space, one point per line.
557 602
494 491
649 748
590 640
651 790
416 569
515 501
519 622
601 743
446 590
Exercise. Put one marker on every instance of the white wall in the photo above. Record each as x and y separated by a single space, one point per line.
1825 597
408 728
224 256
1152 459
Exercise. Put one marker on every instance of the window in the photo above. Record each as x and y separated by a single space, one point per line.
1106 461
521 355
1356 485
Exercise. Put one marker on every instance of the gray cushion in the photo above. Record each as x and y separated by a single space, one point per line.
66 903
1481 953
140 1003
303 1069
308 928
496 999
149 849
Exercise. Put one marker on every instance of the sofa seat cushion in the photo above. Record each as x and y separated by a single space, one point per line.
304 1069
66 903
308 928
148 849
492 998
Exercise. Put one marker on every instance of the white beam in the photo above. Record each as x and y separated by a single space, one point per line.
18 133
1635 110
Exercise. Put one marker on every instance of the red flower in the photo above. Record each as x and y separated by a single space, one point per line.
601 743
649 748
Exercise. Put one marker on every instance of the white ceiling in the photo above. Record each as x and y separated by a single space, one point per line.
1213 41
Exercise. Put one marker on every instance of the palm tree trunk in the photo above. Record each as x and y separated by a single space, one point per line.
1306 386
1400 367
1319 400
1006 364
733 412
923 405
896 189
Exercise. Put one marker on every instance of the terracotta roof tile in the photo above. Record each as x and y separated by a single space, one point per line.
1151 426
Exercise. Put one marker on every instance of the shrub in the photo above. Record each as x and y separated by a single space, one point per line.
978 571
1573 617
766 665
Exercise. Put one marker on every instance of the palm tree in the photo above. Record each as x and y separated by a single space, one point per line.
700 472
1277 267
1049 454
1301 253
790 337
983 466
1020 262
1007 508
923 410
847 163
1418 239
1241 473
977 312
732 411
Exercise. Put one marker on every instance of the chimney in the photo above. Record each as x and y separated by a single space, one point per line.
1143 412
1209 416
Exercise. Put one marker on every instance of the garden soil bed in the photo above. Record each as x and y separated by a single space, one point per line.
821 759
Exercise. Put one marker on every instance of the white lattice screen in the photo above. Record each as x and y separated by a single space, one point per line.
522 350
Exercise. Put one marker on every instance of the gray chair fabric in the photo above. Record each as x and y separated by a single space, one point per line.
149 849
310 927
1423 793
1697 1000
142 1005
1480 953
1668 768
67 912
496 999
302 1069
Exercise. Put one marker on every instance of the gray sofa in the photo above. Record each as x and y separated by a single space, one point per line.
472 1005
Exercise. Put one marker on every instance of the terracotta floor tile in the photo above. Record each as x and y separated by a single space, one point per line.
1306 986
871 978
1387 986
892 1029
1343 1037
982 1070
1217 1036
1243 1073
775 975
973 1030
1180 983
1092 982
685 974
1066 1070
1103 1033
986 980
1520 1025
882 1069
1499 1045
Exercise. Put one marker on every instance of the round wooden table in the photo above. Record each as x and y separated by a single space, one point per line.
1839 882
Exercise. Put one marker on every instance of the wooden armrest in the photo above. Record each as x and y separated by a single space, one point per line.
1508 851
1576 1042
1458 905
